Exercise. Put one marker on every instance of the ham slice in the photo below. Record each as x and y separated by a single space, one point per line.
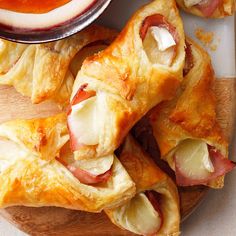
160 39
221 167
189 63
208 7
154 198
159 21
80 96
84 176
88 178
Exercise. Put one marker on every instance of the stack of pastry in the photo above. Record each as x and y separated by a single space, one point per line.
85 158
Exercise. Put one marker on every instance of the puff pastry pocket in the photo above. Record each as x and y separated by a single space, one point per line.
186 128
208 8
154 210
32 173
43 71
116 87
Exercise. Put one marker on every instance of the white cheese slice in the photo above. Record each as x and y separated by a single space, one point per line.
82 121
87 119
139 216
96 166
159 46
9 153
192 158
163 38
190 3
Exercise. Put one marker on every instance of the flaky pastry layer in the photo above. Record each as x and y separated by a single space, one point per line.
31 175
192 113
147 176
129 81
42 72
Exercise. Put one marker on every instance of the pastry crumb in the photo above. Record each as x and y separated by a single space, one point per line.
213 47
206 38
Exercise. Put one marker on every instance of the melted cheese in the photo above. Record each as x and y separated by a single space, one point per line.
87 119
9 153
96 166
44 20
139 216
192 157
159 46
190 3
163 38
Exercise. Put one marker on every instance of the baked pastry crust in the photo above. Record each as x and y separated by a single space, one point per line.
147 176
30 174
227 8
41 71
131 83
186 117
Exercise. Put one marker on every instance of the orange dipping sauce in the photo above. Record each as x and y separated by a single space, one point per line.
32 6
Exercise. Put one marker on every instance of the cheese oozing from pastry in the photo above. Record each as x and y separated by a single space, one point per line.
87 119
163 38
9 152
139 216
159 45
90 171
190 3
193 160
95 166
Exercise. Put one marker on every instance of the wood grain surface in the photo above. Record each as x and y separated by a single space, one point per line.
58 221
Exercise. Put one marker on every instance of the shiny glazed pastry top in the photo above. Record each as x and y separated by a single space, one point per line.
47 71
186 128
154 210
34 171
119 85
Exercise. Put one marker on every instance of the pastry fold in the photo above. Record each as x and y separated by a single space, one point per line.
123 82
42 72
209 8
147 177
191 116
31 173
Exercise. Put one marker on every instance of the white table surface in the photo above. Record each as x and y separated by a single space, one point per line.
216 216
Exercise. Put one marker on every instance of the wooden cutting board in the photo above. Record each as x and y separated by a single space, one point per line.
57 221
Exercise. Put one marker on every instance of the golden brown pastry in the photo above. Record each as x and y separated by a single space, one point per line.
154 210
186 129
32 173
208 8
118 86
42 71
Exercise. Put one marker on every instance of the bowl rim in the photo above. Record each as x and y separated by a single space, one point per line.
62 31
